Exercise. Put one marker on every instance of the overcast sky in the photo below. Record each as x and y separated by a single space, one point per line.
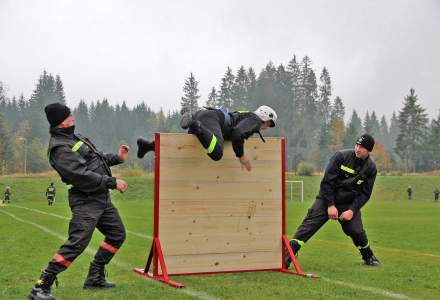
136 50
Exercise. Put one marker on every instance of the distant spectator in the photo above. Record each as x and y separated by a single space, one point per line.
409 192
436 194
8 195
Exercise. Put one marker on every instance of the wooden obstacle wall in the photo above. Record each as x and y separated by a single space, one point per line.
212 216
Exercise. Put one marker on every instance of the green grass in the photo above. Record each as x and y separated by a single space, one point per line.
404 234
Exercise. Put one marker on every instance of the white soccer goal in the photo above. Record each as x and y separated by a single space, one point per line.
297 182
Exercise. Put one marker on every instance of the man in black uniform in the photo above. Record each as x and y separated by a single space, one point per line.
409 192
436 194
346 187
8 195
50 194
213 126
87 170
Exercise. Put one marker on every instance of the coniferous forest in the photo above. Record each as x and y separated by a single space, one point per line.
313 120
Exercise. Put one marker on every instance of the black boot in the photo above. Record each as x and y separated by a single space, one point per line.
368 257
295 248
41 291
96 278
144 146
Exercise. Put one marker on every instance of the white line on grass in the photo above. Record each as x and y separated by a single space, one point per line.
116 262
408 252
372 290
369 289
148 237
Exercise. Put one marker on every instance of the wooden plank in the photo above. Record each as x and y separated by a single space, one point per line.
178 264
222 171
212 226
227 243
183 208
208 190
188 146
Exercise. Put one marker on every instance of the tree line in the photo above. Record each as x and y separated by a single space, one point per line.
312 119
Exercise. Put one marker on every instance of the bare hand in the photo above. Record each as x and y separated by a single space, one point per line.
332 212
123 152
346 215
121 185
245 163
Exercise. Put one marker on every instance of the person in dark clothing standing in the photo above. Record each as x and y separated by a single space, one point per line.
409 191
87 170
50 194
436 194
345 188
213 126
8 195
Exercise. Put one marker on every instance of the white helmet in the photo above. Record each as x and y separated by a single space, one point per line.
265 113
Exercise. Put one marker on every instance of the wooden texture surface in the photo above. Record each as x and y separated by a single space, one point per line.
214 216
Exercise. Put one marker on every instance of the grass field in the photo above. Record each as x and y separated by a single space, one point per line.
404 234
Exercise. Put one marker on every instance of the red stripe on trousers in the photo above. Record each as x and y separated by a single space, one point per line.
109 247
58 258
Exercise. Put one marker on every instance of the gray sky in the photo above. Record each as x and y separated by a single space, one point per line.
137 50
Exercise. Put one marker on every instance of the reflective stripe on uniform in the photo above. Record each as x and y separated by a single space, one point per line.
58 258
77 146
301 243
108 247
347 169
212 144
364 247
360 181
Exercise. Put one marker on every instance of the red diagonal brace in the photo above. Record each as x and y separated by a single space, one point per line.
298 272
156 254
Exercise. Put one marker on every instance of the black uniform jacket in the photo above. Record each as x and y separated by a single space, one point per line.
348 181
240 127
79 163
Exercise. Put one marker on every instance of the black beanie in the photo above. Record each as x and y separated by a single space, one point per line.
56 113
366 141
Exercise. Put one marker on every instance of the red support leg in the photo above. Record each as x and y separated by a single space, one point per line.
298 272
157 255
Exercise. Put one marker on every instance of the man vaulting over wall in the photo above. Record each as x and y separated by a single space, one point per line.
213 126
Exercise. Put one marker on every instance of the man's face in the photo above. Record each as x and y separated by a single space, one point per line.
360 151
68 122
265 125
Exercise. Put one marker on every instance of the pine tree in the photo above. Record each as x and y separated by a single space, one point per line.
337 126
368 127
338 109
325 92
434 144
189 101
6 147
82 118
394 130
239 90
375 126
354 130
413 129
59 90
212 98
43 94
251 89
384 136
225 95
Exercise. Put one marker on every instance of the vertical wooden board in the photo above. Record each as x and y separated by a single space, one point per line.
220 224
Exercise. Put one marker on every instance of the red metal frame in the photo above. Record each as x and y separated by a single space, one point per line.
156 255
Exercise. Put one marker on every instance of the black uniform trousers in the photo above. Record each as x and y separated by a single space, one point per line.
210 132
317 216
88 213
